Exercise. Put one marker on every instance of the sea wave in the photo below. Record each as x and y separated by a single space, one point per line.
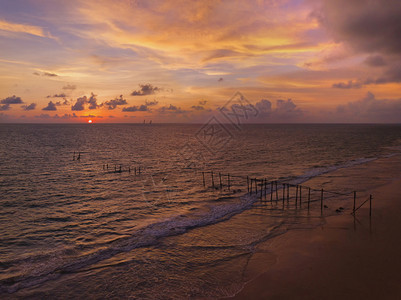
55 264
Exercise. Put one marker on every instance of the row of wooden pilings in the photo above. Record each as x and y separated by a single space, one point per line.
221 179
263 187
264 184
119 169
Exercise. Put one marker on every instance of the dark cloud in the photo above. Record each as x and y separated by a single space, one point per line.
391 74
171 109
31 106
69 116
93 102
90 116
284 111
36 73
369 109
197 107
375 61
284 107
200 107
65 102
264 106
4 107
79 104
69 87
220 79
368 26
43 116
143 107
62 95
49 74
151 103
12 100
112 104
347 85
145 89
50 106
136 108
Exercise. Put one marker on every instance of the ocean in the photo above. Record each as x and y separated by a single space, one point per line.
132 210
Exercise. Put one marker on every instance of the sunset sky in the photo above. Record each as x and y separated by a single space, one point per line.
180 61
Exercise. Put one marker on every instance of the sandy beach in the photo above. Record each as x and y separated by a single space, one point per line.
347 257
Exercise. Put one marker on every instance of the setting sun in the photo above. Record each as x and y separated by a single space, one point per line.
89 121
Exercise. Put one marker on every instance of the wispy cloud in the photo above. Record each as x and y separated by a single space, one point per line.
48 74
348 85
69 87
23 28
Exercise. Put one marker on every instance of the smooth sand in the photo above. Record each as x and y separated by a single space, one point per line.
346 258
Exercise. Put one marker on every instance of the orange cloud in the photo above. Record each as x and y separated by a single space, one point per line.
22 28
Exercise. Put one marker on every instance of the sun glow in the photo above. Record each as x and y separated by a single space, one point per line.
89 121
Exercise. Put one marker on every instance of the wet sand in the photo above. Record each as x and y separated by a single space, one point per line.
347 257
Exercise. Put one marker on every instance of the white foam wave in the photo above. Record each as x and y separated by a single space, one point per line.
324 170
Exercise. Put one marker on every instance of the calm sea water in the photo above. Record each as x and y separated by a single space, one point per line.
131 217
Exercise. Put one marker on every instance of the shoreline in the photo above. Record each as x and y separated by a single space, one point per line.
283 266
346 257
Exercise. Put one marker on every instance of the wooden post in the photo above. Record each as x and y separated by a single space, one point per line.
212 180
247 182
308 198
370 205
256 186
276 192
221 185
135 171
283 193
251 185
139 171
271 192
353 210
203 177
228 179
261 189
129 169
265 189
300 195
288 192
107 166
296 196
321 202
